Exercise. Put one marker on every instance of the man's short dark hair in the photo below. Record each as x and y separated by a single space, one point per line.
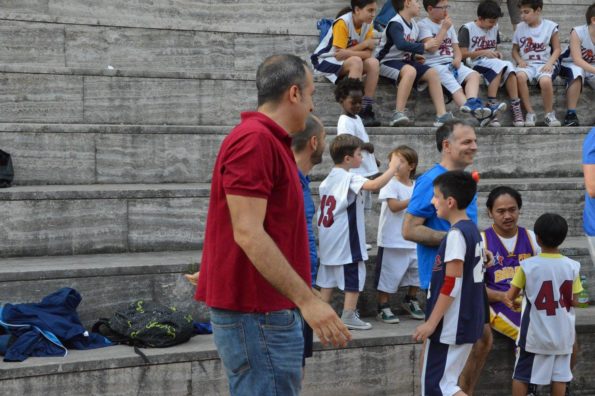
346 86
551 229
398 5
489 9
300 140
344 145
590 13
445 131
276 74
533 4
432 3
503 190
458 185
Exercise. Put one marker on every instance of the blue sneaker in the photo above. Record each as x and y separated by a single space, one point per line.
476 108
492 120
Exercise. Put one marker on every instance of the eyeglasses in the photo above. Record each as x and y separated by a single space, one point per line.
446 7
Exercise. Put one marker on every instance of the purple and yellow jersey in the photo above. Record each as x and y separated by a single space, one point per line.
499 276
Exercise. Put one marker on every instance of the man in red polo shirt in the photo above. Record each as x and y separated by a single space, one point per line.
255 270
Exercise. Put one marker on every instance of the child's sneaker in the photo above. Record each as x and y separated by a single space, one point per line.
440 120
399 119
530 119
532 390
551 120
413 308
386 315
368 117
353 322
492 120
476 108
571 120
517 114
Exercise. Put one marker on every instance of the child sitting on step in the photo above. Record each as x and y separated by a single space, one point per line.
535 49
479 41
347 50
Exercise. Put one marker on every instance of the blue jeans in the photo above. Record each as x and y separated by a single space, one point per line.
262 353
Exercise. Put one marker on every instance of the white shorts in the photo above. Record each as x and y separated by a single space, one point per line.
591 243
532 368
489 68
442 367
448 79
396 267
570 72
348 277
534 73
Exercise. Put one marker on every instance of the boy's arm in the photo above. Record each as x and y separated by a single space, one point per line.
444 26
342 54
498 296
395 205
575 53
397 35
450 289
555 43
516 55
516 285
456 62
382 180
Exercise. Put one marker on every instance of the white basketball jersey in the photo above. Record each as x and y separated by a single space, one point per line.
325 49
387 50
547 318
481 39
390 223
355 127
341 231
587 46
535 42
445 53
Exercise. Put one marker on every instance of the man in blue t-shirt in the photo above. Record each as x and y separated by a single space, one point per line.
589 173
457 143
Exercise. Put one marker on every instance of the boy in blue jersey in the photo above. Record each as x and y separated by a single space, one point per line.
456 307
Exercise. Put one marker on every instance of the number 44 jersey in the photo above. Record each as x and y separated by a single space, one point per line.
341 232
547 318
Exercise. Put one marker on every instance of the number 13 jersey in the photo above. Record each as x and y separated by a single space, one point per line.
341 230
547 318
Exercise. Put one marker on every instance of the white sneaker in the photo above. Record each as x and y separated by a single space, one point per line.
353 322
551 121
530 119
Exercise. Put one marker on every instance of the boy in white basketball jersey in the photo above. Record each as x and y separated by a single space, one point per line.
447 60
578 64
551 285
396 263
479 41
535 49
341 231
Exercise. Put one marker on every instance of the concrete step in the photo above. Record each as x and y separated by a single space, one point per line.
107 282
283 17
67 220
105 153
100 96
381 361
116 218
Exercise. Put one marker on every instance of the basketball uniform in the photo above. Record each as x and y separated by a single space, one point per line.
442 58
569 70
535 48
323 59
481 39
449 346
341 231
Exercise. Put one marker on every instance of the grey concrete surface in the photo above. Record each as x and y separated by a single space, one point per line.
66 154
381 361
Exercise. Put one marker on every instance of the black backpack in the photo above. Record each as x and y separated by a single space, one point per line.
6 169
147 324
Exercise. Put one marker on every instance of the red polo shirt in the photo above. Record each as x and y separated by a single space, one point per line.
255 160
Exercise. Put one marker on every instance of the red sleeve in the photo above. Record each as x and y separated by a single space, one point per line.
248 166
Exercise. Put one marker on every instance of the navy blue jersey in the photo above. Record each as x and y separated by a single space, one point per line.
463 322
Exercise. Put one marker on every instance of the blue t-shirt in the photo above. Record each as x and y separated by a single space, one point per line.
420 205
589 159
310 209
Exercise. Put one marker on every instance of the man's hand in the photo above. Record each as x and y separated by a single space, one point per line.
324 321
504 299
488 258
192 278
423 332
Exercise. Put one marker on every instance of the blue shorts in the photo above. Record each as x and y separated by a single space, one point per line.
392 68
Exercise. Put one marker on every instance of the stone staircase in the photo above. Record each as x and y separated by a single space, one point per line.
114 111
